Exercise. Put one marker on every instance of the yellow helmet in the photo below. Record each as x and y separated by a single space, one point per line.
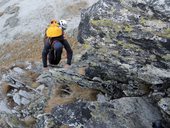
53 21
54 30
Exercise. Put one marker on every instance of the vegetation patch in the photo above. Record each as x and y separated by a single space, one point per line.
166 57
127 45
27 51
128 28
166 33
86 45
115 53
153 57
103 23
143 21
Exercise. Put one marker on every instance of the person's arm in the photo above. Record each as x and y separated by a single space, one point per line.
68 50
44 57
45 52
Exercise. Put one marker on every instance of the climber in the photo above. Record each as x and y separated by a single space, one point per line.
54 42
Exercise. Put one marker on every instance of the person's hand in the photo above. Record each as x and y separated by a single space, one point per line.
66 66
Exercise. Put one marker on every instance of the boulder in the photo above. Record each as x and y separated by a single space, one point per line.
12 21
131 112
128 44
11 9
17 98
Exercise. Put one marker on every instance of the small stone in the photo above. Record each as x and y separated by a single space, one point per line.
25 101
12 22
34 85
97 79
40 88
4 107
102 98
29 120
11 9
17 98
25 94
14 111
18 70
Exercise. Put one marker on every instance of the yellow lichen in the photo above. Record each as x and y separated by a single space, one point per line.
127 45
113 9
128 28
119 42
115 53
142 21
103 23
166 33
153 57
166 57
86 45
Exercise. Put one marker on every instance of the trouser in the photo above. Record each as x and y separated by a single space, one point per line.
53 51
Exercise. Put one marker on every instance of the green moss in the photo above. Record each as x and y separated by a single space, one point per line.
109 23
15 121
166 57
128 58
86 45
113 9
103 50
129 46
117 27
128 28
112 35
153 57
115 53
142 21
119 42
103 23
121 1
108 39
166 33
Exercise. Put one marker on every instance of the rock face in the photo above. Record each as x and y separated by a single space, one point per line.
33 98
124 112
128 44
119 79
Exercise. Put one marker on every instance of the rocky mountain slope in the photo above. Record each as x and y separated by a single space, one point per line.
120 77
28 18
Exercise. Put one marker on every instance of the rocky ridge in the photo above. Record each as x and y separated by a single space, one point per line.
122 74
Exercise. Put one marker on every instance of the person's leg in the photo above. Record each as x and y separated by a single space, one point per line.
45 52
51 57
68 50
58 47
